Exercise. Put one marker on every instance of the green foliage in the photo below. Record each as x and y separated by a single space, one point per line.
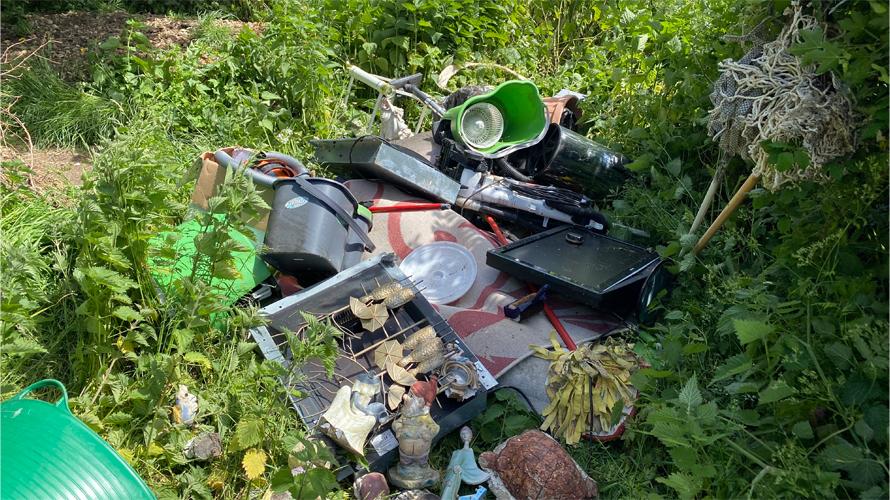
57 113
769 367
36 231
505 416
317 340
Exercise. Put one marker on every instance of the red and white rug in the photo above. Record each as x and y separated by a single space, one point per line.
478 317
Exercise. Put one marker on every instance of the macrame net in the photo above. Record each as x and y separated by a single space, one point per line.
769 95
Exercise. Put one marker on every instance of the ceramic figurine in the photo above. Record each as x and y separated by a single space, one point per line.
351 415
427 390
462 468
415 431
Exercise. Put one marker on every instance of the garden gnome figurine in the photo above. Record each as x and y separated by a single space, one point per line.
415 430
462 468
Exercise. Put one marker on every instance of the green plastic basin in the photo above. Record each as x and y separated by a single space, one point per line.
46 452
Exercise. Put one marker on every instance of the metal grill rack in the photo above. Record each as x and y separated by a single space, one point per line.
312 391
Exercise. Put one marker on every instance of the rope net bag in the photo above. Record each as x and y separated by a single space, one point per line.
769 95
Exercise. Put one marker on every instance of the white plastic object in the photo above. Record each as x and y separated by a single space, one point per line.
481 125
373 81
443 271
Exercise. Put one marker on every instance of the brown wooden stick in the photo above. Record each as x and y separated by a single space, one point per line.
727 211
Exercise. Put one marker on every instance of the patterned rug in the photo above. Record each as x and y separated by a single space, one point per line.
478 316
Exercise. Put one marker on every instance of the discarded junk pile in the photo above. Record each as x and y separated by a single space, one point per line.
403 378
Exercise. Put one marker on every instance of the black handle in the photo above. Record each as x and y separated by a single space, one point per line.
258 177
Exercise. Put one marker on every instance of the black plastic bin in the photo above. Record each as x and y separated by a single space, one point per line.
309 238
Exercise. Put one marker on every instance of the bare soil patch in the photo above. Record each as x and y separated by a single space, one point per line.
53 167
69 37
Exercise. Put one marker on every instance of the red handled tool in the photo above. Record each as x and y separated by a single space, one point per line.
554 320
408 207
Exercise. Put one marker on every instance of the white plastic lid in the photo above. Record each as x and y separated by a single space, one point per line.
443 271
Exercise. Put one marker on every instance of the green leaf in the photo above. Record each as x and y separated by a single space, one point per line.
118 418
748 330
127 313
282 480
695 348
684 458
267 124
269 96
107 278
858 389
742 387
740 363
22 346
110 44
839 354
245 347
776 391
198 359
690 395
784 161
674 166
248 433
803 430
685 485
815 49
687 262
864 430
840 456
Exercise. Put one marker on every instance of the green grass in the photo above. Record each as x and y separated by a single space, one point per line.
57 113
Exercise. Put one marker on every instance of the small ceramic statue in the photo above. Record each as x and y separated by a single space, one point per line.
351 415
415 430
462 468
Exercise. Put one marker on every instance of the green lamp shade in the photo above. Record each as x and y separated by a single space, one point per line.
512 114
46 452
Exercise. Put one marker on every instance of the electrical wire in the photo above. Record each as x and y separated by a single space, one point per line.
474 193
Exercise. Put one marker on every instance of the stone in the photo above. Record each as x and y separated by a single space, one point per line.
203 447
534 466
371 486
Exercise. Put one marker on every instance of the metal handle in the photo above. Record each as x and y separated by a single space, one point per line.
44 383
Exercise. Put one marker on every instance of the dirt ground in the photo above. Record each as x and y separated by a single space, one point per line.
68 38
55 167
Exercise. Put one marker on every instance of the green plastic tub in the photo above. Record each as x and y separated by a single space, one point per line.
46 452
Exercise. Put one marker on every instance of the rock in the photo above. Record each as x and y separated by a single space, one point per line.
534 466
204 447
371 486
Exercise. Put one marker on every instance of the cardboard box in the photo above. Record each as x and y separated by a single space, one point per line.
211 176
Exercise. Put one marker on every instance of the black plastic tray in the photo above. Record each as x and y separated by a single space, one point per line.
600 271
310 380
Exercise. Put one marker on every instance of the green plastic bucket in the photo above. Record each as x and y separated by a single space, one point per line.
46 452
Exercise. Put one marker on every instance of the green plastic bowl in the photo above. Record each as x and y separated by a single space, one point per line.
46 452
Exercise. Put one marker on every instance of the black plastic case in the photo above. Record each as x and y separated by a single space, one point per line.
582 265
